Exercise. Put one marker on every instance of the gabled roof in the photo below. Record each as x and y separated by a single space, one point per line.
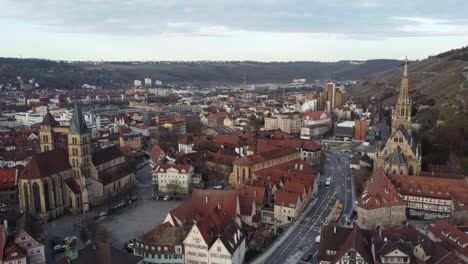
379 192
105 155
204 200
412 144
115 173
46 163
157 154
166 234
397 157
355 241
451 236
287 199
77 122
232 237
13 253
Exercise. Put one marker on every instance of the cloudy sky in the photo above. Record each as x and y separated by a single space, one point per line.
264 30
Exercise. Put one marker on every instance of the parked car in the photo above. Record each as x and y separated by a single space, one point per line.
58 245
307 257
168 198
218 187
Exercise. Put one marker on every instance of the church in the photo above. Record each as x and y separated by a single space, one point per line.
400 154
54 181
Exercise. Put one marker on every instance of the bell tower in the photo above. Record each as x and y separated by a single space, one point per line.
79 149
402 114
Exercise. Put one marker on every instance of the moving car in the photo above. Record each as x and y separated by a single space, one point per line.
317 239
328 182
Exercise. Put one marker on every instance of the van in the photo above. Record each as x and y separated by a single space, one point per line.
328 182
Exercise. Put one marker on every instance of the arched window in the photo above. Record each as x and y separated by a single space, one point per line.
54 192
26 197
46 195
394 171
36 197
402 111
401 172
410 170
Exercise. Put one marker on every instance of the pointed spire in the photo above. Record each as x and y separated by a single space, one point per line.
405 72
77 122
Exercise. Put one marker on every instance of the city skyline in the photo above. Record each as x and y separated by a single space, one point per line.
268 30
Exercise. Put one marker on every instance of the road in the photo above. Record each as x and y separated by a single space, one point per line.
299 239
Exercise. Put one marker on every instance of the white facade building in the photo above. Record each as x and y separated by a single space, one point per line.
173 178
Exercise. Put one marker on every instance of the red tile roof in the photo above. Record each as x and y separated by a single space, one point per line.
246 204
379 192
295 187
205 200
8 178
441 188
258 193
46 163
286 199
157 154
316 115
14 253
449 234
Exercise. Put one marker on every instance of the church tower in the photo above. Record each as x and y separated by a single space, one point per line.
79 151
47 137
402 114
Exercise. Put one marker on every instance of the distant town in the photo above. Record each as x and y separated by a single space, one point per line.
297 172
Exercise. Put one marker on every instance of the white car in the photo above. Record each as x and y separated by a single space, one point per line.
317 239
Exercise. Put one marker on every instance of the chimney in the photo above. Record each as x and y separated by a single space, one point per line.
206 199
301 167
219 205
334 230
295 166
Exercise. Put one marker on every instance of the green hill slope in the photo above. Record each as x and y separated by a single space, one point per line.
437 78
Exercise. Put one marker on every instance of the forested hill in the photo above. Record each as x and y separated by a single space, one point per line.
56 74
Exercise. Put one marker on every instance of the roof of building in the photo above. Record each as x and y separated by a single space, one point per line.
434 187
115 173
246 204
77 122
257 192
49 120
73 185
379 192
287 199
165 234
179 167
103 253
317 115
232 237
203 200
409 139
355 241
13 253
46 163
397 157
451 236
8 178
265 156
105 155
157 153
295 187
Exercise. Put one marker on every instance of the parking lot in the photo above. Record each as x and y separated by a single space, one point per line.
122 224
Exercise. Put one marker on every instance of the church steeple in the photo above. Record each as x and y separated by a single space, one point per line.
402 114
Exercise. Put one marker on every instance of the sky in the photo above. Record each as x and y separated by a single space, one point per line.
260 30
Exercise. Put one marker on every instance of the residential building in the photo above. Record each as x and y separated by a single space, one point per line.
15 255
287 207
173 178
35 249
163 244
360 130
404 245
9 186
454 238
286 123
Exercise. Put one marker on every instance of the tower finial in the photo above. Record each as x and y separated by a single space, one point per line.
405 72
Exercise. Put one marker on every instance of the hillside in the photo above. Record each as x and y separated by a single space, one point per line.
54 74
435 80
